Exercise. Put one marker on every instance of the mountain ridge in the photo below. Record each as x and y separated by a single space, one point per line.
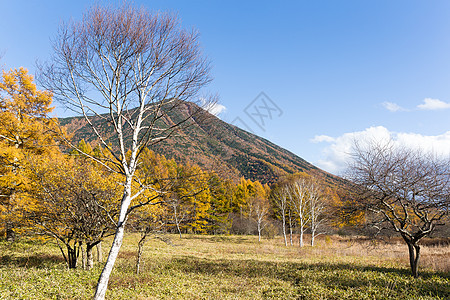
214 144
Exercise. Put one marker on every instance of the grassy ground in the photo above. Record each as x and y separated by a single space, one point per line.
231 267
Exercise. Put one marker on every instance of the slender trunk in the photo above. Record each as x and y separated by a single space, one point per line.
140 250
10 232
89 256
300 238
259 231
176 220
83 258
284 230
414 256
63 254
99 252
72 256
313 232
179 230
290 229
102 284
416 263
301 229
291 234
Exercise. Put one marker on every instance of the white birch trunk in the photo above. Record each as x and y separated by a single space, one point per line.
290 228
302 229
102 285
259 232
284 230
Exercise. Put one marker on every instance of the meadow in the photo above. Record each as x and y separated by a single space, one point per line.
232 267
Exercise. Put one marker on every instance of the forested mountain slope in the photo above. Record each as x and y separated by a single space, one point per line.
214 144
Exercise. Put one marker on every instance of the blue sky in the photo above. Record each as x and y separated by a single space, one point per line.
330 71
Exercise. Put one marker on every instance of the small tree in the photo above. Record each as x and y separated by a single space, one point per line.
281 200
316 207
76 203
222 191
177 213
298 197
407 190
124 69
260 210
192 197
147 220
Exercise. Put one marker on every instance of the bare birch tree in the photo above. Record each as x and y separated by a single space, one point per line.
261 210
281 200
291 224
298 196
316 207
178 213
407 190
123 69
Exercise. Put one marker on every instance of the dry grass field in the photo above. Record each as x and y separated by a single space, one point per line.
233 267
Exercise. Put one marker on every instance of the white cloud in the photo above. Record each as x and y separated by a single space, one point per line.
433 104
428 104
393 107
322 138
213 108
336 155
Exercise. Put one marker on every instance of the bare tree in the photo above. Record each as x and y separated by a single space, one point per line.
316 207
291 224
260 210
281 200
298 196
147 224
178 213
123 69
407 190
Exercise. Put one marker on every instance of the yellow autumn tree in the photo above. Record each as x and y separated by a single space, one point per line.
258 206
76 202
251 201
244 191
222 194
192 198
25 130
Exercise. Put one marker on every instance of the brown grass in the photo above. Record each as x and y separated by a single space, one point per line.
233 267
435 253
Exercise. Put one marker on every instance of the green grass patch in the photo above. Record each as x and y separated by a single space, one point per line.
219 267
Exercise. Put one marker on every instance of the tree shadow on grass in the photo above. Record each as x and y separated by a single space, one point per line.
39 260
394 282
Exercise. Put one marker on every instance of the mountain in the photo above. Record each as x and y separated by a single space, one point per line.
215 145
